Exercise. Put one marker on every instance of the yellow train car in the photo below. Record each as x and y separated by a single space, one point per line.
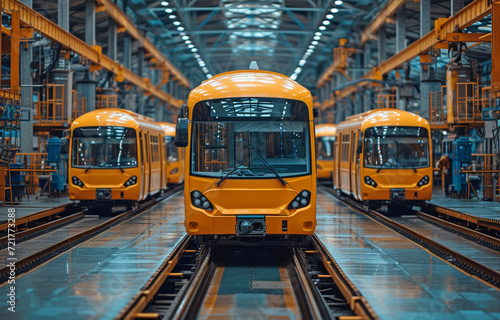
175 159
116 158
250 157
325 138
383 157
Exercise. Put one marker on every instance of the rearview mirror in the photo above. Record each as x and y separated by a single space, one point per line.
182 133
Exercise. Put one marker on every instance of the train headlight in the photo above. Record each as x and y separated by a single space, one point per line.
131 181
369 181
200 201
77 182
423 181
301 200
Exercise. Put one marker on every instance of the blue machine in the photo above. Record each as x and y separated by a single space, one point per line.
58 160
460 156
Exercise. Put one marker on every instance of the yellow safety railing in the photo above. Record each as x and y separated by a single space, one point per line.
437 111
32 162
386 101
105 101
79 105
50 108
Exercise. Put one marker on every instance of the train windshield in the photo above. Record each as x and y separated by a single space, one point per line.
104 147
396 147
171 149
324 148
250 137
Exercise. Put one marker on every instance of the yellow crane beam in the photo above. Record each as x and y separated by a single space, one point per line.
443 26
55 33
123 21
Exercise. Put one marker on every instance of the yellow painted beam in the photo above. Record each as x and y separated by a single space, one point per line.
123 21
467 37
495 48
55 33
387 11
463 19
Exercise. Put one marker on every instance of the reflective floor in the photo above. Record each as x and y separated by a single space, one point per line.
98 278
399 278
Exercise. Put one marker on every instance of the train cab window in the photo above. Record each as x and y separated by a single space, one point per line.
104 147
396 147
249 135
325 147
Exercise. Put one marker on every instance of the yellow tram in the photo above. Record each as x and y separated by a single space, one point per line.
250 158
325 137
383 157
117 157
175 159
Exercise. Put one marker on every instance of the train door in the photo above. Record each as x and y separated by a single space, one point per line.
143 166
352 164
359 150
148 162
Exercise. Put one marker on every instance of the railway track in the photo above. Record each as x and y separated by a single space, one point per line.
202 281
32 261
457 259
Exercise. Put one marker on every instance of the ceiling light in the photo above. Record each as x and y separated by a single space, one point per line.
191 46
329 16
164 3
335 10
172 16
180 28
194 50
201 63
311 47
177 23
326 22
209 76
317 37
188 41
318 34
293 76
205 69
322 28
338 2
168 10
314 42
302 62
185 37
197 56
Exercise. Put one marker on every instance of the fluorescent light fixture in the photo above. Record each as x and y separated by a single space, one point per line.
180 28
177 23
326 22
185 37
209 76
314 42
188 41
322 28
335 10
168 10
172 16
338 2
164 3
329 16
194 50
319 34
190 46
317 37
302 62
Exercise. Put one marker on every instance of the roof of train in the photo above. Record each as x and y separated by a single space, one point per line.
325 129
168 127
249 83
113 117
382 117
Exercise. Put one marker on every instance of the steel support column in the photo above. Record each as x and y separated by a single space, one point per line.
401 29
62 75
456 5
26 90
87 86
112 40
62 14
425 87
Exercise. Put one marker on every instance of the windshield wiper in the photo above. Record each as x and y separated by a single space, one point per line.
225 176
268 165
380 168
88 168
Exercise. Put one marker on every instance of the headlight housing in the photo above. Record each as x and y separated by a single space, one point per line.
301 200
131 181
77 182
200 201
174 171
369 181
423 181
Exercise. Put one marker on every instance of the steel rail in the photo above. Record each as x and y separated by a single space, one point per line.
467 218
27 263
358 304
22 235
469 232
459 260
140 301
311 304
25 220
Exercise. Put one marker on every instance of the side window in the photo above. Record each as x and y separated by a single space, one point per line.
353 147
142 150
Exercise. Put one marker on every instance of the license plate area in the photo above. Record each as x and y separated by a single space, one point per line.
250 225
398 194
103 194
